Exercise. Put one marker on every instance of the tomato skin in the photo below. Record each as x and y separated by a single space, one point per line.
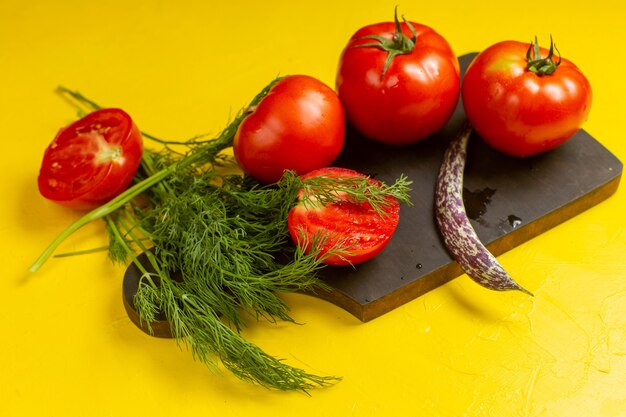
92 160
364 231
299 125
416 96
517 111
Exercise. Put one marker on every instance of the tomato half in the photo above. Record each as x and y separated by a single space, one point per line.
354 226
299 125
521 102
92 160
399 82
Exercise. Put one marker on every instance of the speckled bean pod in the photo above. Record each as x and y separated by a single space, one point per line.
458 234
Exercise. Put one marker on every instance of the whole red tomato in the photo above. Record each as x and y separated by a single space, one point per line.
92 160
398 82
356 228
524 101
299 125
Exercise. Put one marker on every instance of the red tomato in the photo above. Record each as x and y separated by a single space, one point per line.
356 226
517 109
299 125
92 160
410 99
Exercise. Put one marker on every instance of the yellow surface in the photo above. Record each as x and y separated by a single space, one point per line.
182 68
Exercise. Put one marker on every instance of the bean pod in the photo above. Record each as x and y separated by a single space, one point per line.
458 234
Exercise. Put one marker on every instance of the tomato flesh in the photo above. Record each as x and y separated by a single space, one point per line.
362 232
92 160
517 111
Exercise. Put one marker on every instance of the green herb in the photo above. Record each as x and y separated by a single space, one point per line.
218 248
327 190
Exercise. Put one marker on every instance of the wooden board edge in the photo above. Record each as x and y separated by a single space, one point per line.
415 289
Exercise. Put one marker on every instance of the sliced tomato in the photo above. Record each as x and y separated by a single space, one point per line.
356 228
92 160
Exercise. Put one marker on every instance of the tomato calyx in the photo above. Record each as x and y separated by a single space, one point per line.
399 44
539 65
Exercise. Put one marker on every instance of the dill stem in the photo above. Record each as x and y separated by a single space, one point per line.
79 97
125 197
118 235
100 212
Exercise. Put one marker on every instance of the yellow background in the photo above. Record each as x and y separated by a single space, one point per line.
181 68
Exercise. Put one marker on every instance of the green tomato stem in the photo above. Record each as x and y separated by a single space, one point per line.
400 44
537 64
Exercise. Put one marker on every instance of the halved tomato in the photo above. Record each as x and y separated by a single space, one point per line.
356 228
92 160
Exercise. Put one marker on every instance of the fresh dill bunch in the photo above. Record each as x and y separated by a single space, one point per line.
231 245
228 245
218 247
224 240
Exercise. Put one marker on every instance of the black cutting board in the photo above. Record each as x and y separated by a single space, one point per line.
509 201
